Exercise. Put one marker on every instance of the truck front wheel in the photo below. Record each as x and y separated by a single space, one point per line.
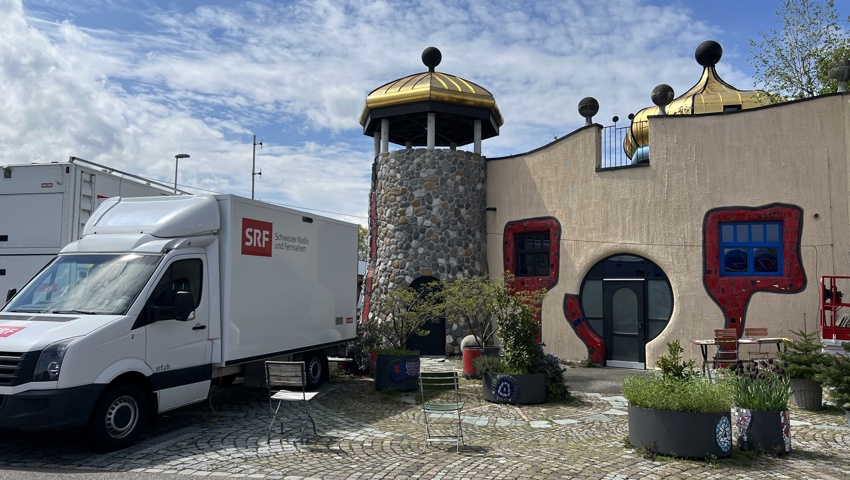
119 417
316 365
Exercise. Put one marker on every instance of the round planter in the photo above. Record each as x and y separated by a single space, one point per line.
762 431
806 393
681 434
469 354
397 372
523 389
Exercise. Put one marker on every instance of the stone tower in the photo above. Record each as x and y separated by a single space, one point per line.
427 204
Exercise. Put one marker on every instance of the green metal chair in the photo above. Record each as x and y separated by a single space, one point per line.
441 407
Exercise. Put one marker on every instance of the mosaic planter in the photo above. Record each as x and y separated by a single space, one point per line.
469 354
397 372
681 434
524 389
762 431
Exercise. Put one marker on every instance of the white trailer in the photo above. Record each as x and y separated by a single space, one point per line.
44 206
162 295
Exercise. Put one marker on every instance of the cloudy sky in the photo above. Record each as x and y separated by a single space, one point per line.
131 83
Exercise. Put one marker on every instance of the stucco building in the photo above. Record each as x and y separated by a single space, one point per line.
726 215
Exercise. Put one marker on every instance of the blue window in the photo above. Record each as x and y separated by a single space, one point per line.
751 248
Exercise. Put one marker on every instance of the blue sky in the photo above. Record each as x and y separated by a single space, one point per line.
131 83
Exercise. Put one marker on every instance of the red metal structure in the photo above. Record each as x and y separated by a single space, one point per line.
834 309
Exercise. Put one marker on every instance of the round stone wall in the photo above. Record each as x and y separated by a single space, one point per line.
429 219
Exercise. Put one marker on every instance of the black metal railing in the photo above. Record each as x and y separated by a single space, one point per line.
613 153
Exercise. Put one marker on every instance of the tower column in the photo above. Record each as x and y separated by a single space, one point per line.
476 136
385 135
377 136
432 130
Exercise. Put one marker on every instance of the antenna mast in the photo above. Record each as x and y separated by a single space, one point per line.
254 172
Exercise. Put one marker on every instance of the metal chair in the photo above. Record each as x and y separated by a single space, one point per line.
726 340
756 333
293 376
441 407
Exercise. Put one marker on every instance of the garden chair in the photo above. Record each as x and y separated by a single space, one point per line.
726 340
757 333
441 407
287 382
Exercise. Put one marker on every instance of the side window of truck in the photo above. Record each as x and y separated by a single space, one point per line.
181 276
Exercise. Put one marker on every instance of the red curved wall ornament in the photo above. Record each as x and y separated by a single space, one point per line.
733 293
533 225
594 343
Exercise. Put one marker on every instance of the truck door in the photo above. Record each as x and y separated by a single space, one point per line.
177 351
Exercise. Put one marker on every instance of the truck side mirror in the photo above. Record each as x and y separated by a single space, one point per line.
184 305
11 293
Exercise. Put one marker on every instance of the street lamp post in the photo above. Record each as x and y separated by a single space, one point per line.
176 162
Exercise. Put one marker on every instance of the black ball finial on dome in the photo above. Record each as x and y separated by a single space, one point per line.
431 57
708 53
587 108
661 96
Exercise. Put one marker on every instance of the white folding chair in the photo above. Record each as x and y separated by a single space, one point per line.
287 382
441 406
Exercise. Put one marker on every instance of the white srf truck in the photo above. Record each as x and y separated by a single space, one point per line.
163 295
44 206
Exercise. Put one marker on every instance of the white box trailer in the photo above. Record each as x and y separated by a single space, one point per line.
44 206
161 296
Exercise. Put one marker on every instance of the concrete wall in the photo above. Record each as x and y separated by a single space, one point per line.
795 153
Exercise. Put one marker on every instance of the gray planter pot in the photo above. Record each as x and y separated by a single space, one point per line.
524 389
762 431
397 372
681 434
806 393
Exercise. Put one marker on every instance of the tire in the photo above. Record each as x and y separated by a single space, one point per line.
316 364
119 417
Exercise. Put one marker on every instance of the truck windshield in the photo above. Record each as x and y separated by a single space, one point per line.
86 284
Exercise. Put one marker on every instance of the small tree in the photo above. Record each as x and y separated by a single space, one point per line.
835 377
362 243
472 302
398 316
803 355
794 62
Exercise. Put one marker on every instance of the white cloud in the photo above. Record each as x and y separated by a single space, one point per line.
131 84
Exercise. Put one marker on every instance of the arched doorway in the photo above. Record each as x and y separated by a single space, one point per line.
434 343
626 300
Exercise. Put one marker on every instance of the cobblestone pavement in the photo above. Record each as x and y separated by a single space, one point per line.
364 434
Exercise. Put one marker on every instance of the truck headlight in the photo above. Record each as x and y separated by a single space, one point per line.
50 361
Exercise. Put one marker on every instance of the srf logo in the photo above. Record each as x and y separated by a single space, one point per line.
256 237
6 331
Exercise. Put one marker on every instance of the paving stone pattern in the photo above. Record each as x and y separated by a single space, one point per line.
364 434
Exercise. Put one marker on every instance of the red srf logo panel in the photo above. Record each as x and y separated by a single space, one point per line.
256 237
6 331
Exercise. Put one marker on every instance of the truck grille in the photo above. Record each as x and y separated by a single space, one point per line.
16 368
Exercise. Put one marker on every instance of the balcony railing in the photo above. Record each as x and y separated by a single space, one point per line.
613 154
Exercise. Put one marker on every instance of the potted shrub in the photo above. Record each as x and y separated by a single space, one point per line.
803 356
761 391
471 302
835 377
676 411
522 373
400 315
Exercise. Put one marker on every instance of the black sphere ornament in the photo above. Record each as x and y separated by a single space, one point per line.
431 57
708 53
587 108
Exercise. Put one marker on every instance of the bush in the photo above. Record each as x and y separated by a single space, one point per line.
677 387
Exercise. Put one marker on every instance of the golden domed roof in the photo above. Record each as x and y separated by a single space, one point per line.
457 104
710 95
431 87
